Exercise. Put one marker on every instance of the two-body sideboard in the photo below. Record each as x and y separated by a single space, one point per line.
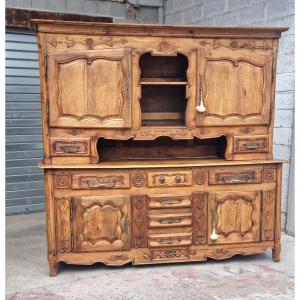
158 142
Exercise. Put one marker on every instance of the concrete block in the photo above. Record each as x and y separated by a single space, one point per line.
169 6
212 8
286 63
208 22
148 14
285 82
118 9
53 5
284 100
18 3
81 7
180 5
284 118
237 4
287 43
103 8
192 14
279 8
290 22
283 136
284 194
282 151
250 15
231 18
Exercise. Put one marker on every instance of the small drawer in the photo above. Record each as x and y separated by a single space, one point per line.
70 147
170 220
250 144
235 176
165 179
168 201
107 180
167 239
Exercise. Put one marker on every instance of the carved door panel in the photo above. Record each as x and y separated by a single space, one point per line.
236 88
234 217
90 88
101 223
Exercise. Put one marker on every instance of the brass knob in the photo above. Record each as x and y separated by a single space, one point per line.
177 179
162 179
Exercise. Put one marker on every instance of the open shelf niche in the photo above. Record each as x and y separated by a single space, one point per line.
161 148
163 82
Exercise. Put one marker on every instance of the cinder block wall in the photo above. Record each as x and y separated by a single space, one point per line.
142 11
259 13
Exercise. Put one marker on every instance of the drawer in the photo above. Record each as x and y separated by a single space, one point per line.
169 201
70 147
170 220
170 239
250 144
107 180
172 178
235 176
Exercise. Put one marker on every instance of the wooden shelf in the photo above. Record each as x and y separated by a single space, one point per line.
163 81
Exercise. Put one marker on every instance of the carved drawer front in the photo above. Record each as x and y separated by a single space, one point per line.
170 220
101 223
170 239
107 180
235 176
250 144
169 201
70 147
165 179
234 217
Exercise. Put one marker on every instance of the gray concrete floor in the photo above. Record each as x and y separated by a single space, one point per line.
250 277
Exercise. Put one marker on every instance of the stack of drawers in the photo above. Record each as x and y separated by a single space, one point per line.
169 221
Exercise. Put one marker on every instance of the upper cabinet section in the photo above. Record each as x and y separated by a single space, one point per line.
90 88
236 87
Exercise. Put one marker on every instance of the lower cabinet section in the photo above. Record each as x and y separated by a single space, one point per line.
143 225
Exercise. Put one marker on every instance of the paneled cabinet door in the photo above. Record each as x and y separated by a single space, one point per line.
101 223
90 88
234 217
236 88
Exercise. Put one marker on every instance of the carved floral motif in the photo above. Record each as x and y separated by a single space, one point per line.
101 181
119 257
238 44
138 179
269 174
62 181
200 176
64 224
140 221
89 42
169 253
268 215
200 218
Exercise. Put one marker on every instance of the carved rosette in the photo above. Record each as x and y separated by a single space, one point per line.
63 216
220 253
268 215
269 174
170 253
200 176
139 210
138 179
62 181
199 218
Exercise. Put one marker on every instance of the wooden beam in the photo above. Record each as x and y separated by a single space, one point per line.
21 17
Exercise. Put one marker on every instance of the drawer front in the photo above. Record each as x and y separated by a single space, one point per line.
168 201
250 144
173 239
70 147
165 179
235 176
109 180
170 220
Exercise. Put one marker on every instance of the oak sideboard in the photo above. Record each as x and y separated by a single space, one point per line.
158 142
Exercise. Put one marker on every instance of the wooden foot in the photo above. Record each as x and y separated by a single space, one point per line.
53 265
276 252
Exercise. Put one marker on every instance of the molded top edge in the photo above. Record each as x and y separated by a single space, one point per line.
44 25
